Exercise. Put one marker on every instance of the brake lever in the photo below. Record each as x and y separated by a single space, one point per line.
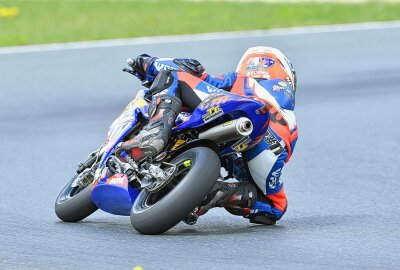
129 71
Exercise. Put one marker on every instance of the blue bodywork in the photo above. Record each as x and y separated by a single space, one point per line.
116 197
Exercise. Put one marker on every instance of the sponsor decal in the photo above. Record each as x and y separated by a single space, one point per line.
228 123
277 88
289 93
259 63
258 67
212 89
289 80
242 144
118 181
273 143
280 86
212 113
160 66
273 180
283 84
213 100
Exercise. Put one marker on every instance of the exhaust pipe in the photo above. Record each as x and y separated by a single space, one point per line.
229 131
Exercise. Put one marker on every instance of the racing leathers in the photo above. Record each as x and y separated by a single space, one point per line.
171 78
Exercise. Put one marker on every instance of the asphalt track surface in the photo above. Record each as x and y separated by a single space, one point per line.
343 181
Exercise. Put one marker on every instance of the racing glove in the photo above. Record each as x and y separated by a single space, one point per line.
140 68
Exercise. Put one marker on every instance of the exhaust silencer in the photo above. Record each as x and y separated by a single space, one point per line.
229 131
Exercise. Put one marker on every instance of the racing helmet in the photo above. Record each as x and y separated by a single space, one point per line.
266 63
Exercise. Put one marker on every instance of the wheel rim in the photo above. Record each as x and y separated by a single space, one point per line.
184 165
68 192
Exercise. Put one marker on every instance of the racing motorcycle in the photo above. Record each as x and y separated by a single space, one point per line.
160 192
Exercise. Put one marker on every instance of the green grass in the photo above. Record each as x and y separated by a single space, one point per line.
62 20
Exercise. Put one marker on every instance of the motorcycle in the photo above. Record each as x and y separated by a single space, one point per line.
160 192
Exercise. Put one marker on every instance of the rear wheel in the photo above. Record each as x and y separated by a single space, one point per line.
155 213
73 203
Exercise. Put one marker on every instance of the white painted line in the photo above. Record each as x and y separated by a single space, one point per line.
201 37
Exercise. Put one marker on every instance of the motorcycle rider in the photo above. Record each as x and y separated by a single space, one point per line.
263 73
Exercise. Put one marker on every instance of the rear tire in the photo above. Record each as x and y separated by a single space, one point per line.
73 204
155 213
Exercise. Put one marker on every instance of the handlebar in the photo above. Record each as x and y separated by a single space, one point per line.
131 62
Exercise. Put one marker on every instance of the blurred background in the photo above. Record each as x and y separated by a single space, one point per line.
48 21
56 103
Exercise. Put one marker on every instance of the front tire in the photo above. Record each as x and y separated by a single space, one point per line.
74 204
155 213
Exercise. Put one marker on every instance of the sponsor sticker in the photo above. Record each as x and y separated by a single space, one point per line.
274 179
159 66
273 143
283 84
260 63
117 180
242 144
228 123
213 100
277 88
212 113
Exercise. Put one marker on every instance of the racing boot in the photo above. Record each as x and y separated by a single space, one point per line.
153 138
263 211
260 213
236 197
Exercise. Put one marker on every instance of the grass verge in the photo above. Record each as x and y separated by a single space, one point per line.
61 21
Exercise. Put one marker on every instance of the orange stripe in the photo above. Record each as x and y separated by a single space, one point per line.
284 134
238 87
204 76
191 80
279 199
294 135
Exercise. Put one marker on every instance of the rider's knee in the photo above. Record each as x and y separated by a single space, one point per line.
279 202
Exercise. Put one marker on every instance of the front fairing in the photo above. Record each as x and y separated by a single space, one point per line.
123 125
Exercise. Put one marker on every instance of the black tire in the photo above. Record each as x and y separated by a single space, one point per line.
74 204
156 213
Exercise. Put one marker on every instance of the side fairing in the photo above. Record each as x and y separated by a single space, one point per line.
123 125
217 105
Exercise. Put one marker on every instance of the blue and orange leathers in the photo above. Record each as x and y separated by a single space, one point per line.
266 155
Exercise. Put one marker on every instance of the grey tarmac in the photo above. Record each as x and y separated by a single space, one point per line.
342 183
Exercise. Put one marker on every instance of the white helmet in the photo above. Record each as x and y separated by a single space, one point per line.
266 63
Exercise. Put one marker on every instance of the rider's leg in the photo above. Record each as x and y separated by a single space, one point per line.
163 110
169 91
265 165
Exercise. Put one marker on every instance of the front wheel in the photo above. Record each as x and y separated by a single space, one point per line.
155 213
73 203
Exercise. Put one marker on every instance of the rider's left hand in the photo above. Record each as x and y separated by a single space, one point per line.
140 66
